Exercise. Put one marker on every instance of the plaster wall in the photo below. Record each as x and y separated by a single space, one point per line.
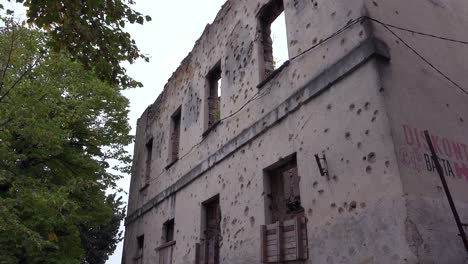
419 98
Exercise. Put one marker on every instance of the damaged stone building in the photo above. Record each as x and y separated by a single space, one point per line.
321 159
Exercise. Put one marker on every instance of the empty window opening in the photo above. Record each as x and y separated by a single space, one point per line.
149 157
139 252
168 231
141 242
211 226
214 95
175 135
282 186
274 45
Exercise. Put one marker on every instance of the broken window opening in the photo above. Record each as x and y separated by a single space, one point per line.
282 185
141 242
274 48
168 231
166 250
139 252
214 95
208 248
149 158
175 135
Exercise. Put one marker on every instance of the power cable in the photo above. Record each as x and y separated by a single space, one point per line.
387 27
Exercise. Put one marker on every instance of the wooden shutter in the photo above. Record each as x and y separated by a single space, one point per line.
284 241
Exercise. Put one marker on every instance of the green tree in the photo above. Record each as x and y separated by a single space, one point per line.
60 124
91 31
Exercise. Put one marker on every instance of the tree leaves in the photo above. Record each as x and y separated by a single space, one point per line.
59 127
91 32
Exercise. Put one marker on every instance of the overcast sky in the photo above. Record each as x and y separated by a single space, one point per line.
167 39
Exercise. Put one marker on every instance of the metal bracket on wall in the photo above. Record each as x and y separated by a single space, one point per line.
322 164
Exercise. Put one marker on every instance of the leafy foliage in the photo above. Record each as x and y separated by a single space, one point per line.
91 31
59 126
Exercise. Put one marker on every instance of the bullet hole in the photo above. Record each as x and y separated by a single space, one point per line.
381 90
308 25
369 169
326 130
387 163
333 205
364 158
376 112
366 132
329 107
359 145
246 211
320 191
315 184
343 41
461 120
333 14
361 33
373 119
359 111
340 210
335 178
366 106
348 135
375 3
447 105
309 212
351 107
252 221
371 157
363 205
352 206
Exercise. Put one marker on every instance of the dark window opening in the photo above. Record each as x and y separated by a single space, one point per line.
175 135
274 48
214 95
208 249
149 157
141 242
168 230
284 200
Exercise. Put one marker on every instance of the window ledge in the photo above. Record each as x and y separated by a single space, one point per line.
212 127
273 74
171 164
166 245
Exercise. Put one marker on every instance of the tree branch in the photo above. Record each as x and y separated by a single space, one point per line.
9 57
20 78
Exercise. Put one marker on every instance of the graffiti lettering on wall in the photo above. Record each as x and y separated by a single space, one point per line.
452 155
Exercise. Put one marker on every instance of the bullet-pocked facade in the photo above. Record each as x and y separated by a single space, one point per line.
319 160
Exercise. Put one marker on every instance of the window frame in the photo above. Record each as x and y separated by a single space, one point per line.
213 77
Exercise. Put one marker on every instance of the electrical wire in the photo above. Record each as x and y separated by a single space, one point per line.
387 27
